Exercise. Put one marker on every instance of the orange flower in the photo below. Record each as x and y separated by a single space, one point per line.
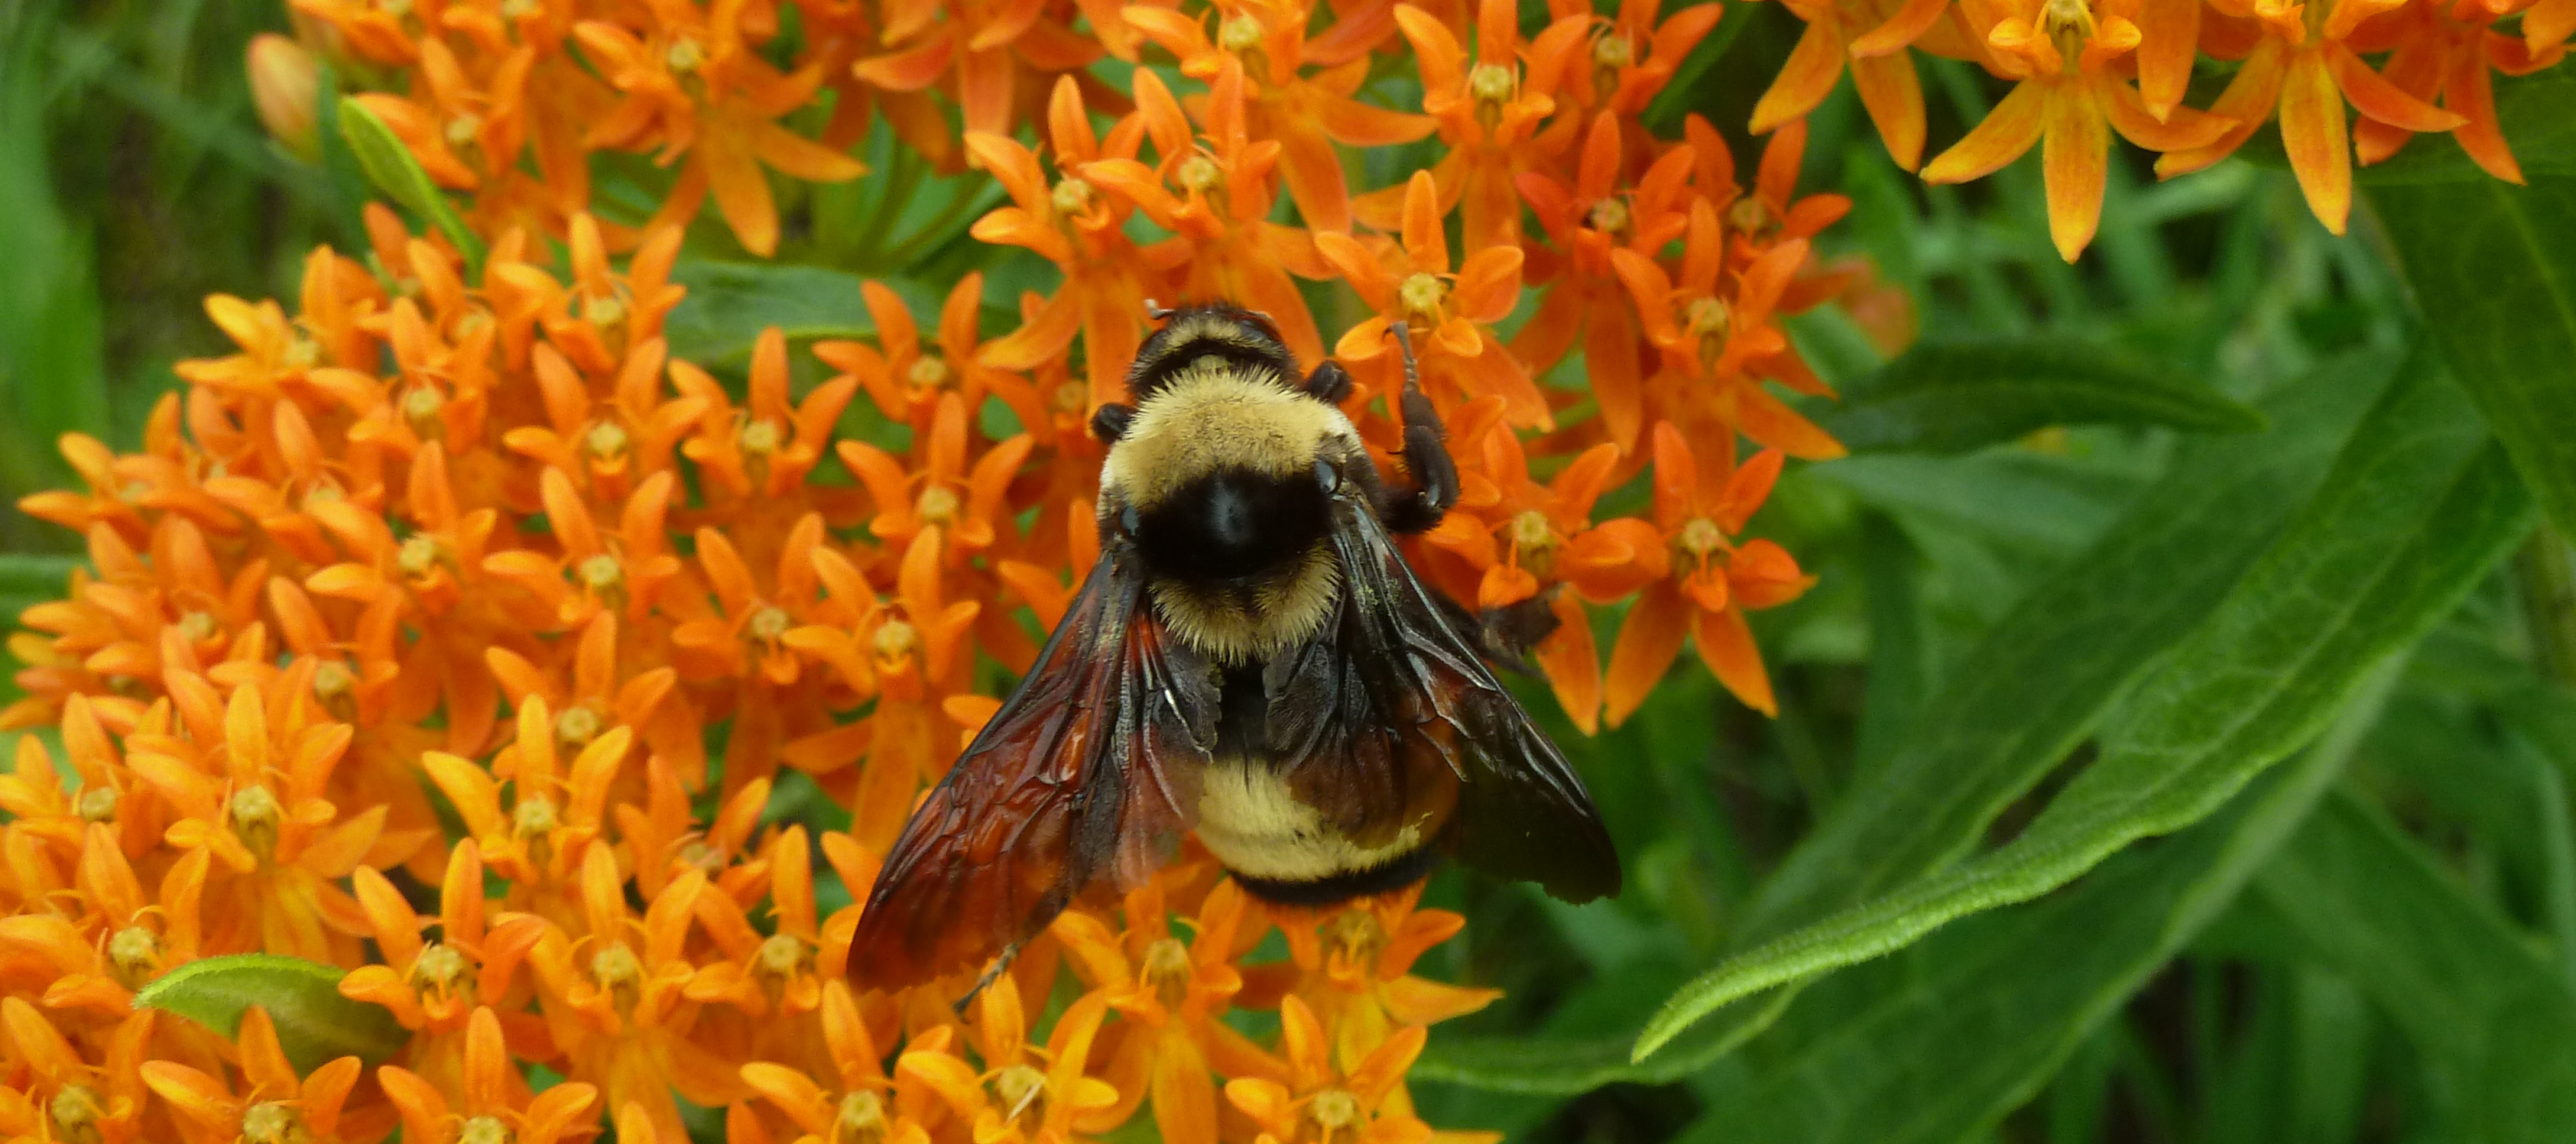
2304 67
81 1101
1489 114
1717 336
1632 56
492 1099
1872 36
987 43
2063 53
1026 1094
1414 284
590 573
258 808
1705 580
273 1104
694 88
1305 113
1233 251
435 987
1355 970
912 653
943 500
1328 1101
540 840
2439 54
763 452
1170 994
614 998
869 1105
98 956
907 383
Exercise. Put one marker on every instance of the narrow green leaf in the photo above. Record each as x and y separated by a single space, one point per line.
390 166
2016 704
2493 267
729 303
1942 1041
2418 505
315 1024
2495 1026
1949 397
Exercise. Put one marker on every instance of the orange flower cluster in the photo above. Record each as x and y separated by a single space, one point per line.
454 587
2083 69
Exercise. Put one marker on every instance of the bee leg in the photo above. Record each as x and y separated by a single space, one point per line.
992 973
1428 468
1330 383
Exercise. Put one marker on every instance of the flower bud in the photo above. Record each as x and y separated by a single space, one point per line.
285 84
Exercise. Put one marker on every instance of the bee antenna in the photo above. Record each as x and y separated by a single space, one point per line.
1156 311
992 973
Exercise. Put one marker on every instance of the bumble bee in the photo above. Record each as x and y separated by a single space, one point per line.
1251 658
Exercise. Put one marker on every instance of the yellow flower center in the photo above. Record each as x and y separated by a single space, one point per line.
255 817
1421 295
578 725
135 952
938 504
861 1119
769 623
418 554
760 438
1706 316
519 9
442 969
1352 941
394 7
303 352
332 680
605 310
2068 24
606 440
1701 536
1200 173
600 573
76 1111
1491 83
1335 1111
895 640
1167 971
461 129
684 55
928 372
1070 196
784 955
697 853
1613 51
421 404
1240 32
620 973
483 1129
1610 216
273 1122
534 816
198 627
1532 531
96 804
1023 1092
321 494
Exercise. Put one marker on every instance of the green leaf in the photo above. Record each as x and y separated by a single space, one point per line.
1943 1040
315 1024
2495 1026
390 166
2538 115
1949 397
2493 267
2015 705
729 303
2418 505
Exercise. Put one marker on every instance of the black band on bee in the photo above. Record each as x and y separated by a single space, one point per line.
1220 330
1393 874
1234 524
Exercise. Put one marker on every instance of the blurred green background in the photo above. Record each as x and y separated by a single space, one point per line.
2373 941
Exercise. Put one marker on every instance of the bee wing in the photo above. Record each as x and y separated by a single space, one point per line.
1084 773
1393 707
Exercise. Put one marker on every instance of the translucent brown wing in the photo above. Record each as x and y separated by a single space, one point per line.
1081 775
1390 714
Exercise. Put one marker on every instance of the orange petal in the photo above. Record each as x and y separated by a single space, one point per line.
2075 160
2007 132
1648 640
1805 79
2374 96
1894 99
1726 645
2312 130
